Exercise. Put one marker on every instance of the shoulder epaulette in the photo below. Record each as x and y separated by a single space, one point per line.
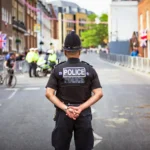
86 63
60 63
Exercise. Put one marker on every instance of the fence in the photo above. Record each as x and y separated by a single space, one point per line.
21 66
137 63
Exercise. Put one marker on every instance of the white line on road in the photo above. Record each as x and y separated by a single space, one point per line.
32 88
96 142
93 110
13 94
9 89
97 137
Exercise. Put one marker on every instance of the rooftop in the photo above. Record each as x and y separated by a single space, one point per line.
61 3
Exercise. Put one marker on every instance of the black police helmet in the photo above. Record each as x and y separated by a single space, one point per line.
72 42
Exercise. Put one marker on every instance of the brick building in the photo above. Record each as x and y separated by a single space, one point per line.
30 21
6 22
19 28
144 24
66 10
54 23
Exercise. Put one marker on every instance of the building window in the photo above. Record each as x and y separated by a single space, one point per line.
70 25
141 22
21 12
147 19
82 22
68 31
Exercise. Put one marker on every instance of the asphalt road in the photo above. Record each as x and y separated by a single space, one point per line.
121 120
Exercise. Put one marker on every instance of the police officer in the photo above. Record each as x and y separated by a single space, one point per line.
35 58
74 81
30 60
52 58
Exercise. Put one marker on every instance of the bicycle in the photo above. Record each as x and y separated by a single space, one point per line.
6 79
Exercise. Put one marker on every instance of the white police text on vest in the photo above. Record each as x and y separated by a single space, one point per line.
74 72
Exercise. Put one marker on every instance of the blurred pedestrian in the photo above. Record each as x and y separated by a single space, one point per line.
36 57
52 58
9 64
135 51
30 60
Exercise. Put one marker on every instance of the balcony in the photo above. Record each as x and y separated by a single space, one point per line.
19 25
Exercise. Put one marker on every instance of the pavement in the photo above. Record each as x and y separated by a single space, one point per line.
121 119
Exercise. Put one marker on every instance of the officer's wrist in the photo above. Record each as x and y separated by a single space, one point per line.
65 108
82 107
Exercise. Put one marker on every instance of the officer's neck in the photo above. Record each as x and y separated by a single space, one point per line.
72 57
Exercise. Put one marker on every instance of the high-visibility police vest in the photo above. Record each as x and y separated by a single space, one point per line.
29 57
36 57
52 58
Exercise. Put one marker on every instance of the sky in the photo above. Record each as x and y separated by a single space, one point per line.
97 6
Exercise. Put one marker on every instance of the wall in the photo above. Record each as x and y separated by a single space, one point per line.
120 47
123 21
6 22
68 29
20 33
30 21
143 7
45 34
78 26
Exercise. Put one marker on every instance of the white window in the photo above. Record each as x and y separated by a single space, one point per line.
10 17
147 20
2 14
141 22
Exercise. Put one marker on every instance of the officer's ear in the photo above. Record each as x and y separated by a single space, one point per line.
65 53
80 52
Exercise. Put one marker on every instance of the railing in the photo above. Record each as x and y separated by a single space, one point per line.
137 63
21 66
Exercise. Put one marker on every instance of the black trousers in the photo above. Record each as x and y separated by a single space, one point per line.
30 69
32 66
82 128
11 72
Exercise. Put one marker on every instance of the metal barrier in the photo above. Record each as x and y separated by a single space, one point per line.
137 63
21 66
1 65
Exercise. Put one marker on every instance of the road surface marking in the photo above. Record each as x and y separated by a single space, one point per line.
110 125
96 142
93 110
118 120
0 105
32 88
13 89
97 139
13 94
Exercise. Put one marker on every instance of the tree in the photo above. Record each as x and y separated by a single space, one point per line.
95 33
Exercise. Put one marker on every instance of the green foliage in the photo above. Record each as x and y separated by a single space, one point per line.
41 43
18 41
96 33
